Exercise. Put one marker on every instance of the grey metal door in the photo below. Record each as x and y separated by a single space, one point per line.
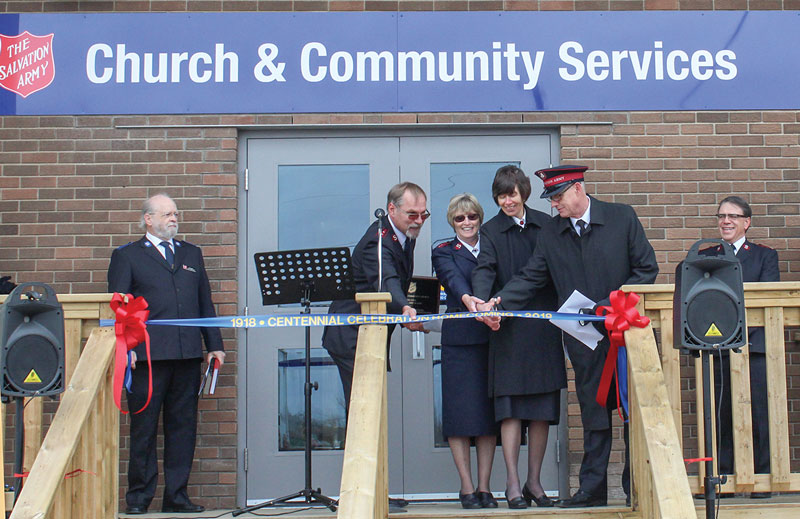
321 192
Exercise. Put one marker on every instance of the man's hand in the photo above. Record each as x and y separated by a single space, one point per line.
414 327
133 359
492 322
471 302
219 355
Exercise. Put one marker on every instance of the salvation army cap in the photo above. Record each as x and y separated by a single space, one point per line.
559 178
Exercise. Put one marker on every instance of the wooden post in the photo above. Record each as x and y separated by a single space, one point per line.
364 490
776 391
661 485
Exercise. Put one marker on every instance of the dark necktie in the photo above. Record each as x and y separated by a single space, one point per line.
407 250
582 227
170 257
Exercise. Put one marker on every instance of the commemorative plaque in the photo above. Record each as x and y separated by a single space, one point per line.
423 294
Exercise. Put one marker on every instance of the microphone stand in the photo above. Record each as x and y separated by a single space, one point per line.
379 214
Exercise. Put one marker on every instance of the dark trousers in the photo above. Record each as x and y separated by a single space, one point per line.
760 413
594 466
345 365
175 386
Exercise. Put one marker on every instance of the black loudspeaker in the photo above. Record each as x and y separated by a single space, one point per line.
32 342
708 306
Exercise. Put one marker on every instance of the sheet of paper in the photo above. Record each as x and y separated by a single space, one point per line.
587 334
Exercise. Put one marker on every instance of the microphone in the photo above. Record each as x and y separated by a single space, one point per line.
379 213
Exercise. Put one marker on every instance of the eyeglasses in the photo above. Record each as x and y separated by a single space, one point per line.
730 216
557 198
472 217
416 216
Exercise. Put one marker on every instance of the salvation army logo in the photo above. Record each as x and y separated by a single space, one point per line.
26 63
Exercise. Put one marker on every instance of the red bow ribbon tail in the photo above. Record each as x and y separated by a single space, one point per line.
130 314
619 317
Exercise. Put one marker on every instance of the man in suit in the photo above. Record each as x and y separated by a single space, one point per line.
171 276
594 247
406 207
759 263
407 212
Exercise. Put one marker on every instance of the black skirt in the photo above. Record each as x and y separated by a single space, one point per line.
467 409
545 407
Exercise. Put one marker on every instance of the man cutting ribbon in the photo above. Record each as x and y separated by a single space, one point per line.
171 276
594 247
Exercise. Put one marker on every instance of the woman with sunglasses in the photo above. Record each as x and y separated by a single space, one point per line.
526 360
466 408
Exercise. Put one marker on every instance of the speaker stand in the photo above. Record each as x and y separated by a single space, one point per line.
710 481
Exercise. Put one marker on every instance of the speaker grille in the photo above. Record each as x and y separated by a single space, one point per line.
712 317
32 364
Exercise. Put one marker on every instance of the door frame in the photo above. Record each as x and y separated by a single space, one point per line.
343 132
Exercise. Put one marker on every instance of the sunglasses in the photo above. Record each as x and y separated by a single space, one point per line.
473 217
416 216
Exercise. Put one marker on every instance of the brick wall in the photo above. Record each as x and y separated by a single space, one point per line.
71 187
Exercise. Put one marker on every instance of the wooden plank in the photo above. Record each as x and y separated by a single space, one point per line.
72 347
671 493
742 418
701 427
671 364
77 402
357 492
33 431
761 483
776 395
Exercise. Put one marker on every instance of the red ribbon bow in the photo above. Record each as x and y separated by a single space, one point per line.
130 314
619 317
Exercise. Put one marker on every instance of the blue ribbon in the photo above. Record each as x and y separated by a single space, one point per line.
128 380
284 321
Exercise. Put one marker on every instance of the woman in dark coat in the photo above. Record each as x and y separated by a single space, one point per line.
526 360
466 408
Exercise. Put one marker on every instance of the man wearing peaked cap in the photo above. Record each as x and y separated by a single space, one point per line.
593 247
558 179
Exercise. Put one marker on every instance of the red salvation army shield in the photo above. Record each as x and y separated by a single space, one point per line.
26 63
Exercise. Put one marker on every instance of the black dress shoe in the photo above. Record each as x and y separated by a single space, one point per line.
487 499
543 501
469 501
135 510
398 502
583 499
516 503
184 508
760 495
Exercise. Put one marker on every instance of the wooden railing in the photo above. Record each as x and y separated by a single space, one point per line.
773 306
364 491
95 449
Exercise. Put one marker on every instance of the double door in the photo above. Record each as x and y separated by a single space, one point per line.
310 191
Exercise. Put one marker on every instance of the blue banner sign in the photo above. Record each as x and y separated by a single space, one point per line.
193 63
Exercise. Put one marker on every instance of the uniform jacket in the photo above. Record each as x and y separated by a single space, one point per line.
759 263
181 292
613 252
525 355
453 264
397 271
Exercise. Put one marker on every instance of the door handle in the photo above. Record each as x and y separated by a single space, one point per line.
417 345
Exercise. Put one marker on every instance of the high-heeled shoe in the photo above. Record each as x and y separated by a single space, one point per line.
469 501
516 503
487 499
544 501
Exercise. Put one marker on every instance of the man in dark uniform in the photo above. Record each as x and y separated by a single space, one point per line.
407 212
171 276
759 263
594 247
406 206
